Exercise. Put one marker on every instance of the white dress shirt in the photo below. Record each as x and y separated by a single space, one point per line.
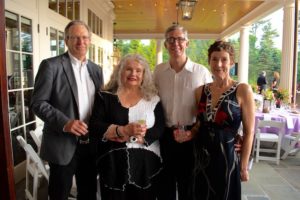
177 90
85 88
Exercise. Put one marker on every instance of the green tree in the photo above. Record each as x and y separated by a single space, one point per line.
262 53
197 51
137 47
267 60
149 52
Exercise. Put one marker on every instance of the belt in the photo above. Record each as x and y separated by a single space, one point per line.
187 127
85 141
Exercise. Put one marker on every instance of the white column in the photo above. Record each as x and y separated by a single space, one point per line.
286 72
159 51
243 64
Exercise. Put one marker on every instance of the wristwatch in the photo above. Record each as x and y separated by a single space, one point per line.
133 139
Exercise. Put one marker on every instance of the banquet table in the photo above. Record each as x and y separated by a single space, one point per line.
291 119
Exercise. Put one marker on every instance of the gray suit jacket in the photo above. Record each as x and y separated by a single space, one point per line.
55 101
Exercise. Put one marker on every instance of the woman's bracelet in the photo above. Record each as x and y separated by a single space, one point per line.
117 132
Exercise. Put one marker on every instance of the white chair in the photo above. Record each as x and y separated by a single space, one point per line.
37 136
268 137
34 167
292 146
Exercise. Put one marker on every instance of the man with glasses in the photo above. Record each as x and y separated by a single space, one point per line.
63 98
176 81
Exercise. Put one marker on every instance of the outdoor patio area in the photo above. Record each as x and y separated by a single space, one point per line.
269 181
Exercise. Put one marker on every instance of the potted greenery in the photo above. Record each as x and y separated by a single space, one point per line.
281 96
254 88
268 99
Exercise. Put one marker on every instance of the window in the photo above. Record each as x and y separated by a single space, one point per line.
57 43
92 52
100 56
95 23
19 67
66 8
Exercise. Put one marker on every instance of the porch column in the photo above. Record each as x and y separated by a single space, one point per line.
243 64
286 72
159 51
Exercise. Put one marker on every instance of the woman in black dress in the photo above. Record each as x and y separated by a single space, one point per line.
126 122
222 106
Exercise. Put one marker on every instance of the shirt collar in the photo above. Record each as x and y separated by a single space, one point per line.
188 65
76 62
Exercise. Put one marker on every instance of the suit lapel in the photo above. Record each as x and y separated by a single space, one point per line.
66 63
93 75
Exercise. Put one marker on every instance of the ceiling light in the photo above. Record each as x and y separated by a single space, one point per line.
187 8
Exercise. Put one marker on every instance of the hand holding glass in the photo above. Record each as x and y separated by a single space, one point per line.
179 133
142 122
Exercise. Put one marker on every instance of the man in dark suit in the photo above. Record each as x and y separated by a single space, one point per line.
63 97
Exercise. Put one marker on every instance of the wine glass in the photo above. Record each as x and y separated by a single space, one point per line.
180 131
142 119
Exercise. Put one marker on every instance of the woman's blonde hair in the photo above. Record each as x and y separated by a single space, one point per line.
276 75
147 87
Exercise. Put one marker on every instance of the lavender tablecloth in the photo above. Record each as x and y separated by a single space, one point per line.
292 120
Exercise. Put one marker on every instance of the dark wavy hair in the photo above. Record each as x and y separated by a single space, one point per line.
221 46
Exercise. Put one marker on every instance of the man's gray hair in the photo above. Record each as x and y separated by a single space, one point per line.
176 27
76 22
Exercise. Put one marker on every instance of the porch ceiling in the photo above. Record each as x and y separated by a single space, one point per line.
211 19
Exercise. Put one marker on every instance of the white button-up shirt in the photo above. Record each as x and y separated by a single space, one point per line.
177 90
85 88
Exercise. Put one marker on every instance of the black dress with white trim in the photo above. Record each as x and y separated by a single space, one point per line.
120 164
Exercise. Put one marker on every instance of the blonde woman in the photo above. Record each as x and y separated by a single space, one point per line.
275 81
126 125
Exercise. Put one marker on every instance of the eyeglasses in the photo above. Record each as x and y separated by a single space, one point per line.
172 40
84 38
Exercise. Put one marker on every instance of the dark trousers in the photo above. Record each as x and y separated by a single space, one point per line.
83 167
178 164
131 192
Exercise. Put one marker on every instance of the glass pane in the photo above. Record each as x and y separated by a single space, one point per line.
100 27
13 69
27 71
92 52
19 154
29 116
28 136
61 43
12 31
94 23
101 56
53 42
15 109
62 7
70 7
97 26
90 18
77 9
53 5
26 34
